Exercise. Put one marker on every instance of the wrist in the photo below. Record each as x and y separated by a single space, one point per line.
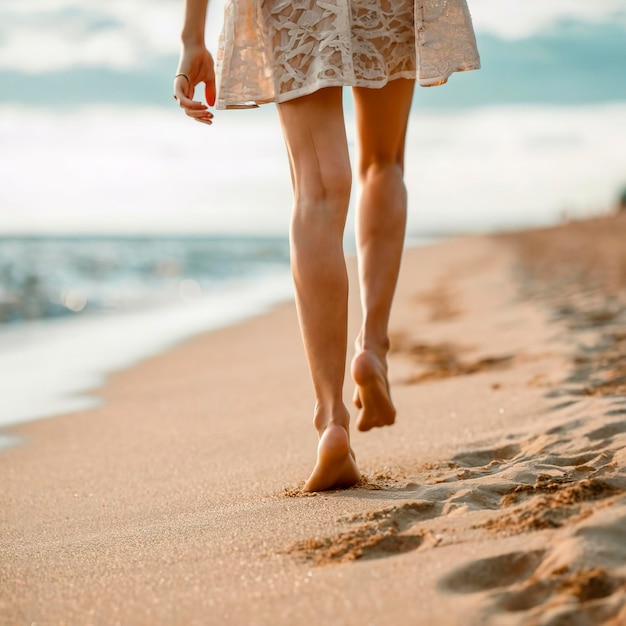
192 37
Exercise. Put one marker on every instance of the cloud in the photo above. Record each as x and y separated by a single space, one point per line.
39 36
35 48
514 19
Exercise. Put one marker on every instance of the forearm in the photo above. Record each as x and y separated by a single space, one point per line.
194 23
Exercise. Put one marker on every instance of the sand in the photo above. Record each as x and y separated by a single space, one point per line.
498 498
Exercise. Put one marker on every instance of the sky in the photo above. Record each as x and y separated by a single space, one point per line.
92 141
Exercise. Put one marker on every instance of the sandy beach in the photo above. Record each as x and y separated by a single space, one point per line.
498 498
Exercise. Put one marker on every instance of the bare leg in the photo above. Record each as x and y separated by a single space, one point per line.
382 118
314 131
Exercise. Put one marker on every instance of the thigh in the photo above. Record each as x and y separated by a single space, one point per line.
315 134
382 118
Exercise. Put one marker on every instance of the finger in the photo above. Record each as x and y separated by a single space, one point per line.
208 119
187 103
199 114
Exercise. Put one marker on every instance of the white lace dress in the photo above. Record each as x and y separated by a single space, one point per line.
276 50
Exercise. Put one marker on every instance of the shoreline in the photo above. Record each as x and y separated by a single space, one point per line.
497 498
70 359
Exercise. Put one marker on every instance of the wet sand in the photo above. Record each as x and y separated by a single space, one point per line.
497 498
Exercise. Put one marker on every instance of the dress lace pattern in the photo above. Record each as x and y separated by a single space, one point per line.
276 50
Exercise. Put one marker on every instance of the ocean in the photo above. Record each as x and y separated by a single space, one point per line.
75 308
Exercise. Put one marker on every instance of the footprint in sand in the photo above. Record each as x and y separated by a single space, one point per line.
442 360
552 501
585 594
518 582
478 458
532 595
378 534
608 431
493 572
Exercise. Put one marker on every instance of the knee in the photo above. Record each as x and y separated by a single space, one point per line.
381 166
324 200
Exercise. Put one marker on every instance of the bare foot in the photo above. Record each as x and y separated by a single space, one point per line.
336 467
372 394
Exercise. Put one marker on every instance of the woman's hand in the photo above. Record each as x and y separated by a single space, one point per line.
195 66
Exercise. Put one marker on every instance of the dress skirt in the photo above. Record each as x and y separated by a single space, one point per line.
277 50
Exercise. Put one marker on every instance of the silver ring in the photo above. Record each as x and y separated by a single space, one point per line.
183 75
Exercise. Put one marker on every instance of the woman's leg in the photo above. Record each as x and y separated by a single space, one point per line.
314 131
382 118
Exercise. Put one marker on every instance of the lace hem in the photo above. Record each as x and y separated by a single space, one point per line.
277 50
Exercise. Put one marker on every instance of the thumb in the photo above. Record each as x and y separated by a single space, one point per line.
209 92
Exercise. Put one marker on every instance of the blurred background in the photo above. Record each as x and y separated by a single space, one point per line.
125 227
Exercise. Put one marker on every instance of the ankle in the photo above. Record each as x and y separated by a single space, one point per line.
331 416
379 346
